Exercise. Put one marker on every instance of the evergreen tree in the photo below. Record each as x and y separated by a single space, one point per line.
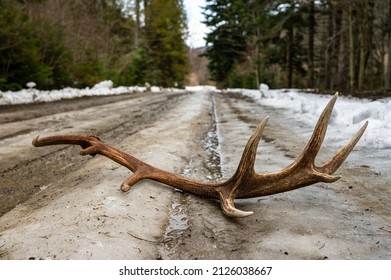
328 44
30 52
165 38
226 43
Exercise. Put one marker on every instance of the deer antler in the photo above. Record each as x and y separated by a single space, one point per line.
245 183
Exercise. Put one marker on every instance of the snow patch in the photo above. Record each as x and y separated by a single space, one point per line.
31 85
348 116
200 88
103 85
263 87
32 95
155 89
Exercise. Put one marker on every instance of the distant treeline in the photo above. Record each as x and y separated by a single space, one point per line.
342 45
59 43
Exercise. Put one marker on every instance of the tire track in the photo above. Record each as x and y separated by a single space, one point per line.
24 174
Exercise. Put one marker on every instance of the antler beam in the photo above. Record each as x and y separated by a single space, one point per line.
245 183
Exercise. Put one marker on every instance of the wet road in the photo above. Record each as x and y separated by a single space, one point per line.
72 208
24 171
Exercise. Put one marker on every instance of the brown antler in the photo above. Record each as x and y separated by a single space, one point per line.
245 183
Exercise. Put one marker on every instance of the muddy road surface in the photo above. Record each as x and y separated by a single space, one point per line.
56 204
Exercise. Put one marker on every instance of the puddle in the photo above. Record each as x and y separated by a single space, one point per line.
178 223
213 147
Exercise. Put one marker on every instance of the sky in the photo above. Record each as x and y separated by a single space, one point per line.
196 28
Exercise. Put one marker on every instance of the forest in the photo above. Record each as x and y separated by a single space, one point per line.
77 43
342 45
329 45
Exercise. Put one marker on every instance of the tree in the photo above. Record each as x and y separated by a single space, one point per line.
137 33
30 52
311 42
58 43
226 43
165 30
327 44
388 72
287 23
256 27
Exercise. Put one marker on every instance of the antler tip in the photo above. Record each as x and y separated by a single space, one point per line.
262 124
366 124
125 187
333 100
229 209
35 141
232 212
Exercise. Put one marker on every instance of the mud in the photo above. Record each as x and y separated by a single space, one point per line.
70 207
22 176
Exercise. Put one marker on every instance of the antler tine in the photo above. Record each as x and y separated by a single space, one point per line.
91 145
336 161
84 141
244 171
128 183
247 160
313 146
228 206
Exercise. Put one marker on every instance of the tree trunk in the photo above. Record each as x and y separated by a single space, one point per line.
337 47
311 35
146 12
351 47
363 39
343 59
388 72
289 57
256 48
329 47
138 25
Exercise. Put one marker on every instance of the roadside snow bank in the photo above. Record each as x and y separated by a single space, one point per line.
349 114
200 88
32 95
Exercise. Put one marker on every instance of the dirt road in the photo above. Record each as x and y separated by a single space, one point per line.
70 207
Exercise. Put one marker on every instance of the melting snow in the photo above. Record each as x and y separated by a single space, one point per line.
348 116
